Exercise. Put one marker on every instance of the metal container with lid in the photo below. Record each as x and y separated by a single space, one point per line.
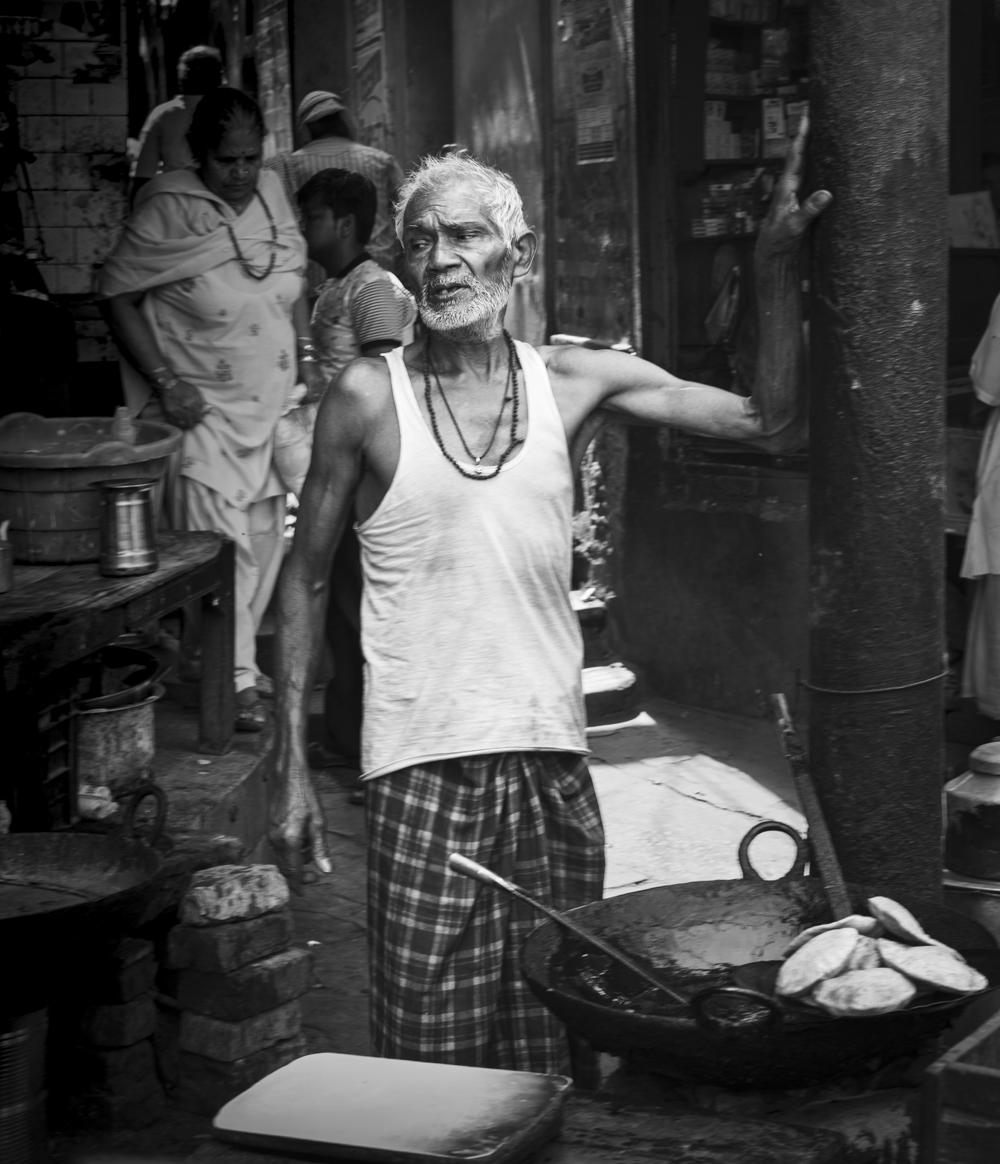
972 839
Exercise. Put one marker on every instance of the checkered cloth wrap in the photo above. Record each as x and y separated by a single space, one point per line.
445 981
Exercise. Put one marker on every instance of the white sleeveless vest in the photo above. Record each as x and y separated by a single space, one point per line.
470 643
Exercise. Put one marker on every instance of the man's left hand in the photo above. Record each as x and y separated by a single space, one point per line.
788 220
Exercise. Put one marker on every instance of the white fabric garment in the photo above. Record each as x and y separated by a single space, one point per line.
470 642
982 550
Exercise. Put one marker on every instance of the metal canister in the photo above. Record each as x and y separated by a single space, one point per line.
972 838
128 532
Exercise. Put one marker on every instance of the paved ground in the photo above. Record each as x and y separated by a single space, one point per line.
677 794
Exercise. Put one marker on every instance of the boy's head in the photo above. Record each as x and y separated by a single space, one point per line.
338 213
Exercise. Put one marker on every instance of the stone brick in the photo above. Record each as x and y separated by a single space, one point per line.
114 133
72 99
120 1026
78 55
119 1069
126 971
73 171
42 172
85 134
166 1046
35 97
75 280
220 949
251 990
227 1042
110 99
60 243
206 1084
41 134
113 1112
51 208
42 68
107 207
233 892
92 351
93 245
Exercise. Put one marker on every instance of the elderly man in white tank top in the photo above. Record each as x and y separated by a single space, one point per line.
456 455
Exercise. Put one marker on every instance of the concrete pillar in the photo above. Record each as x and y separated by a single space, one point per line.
880 84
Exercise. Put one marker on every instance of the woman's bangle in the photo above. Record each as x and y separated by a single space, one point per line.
308 360
161 380
305 344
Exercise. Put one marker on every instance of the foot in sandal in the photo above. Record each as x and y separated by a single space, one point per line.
251 715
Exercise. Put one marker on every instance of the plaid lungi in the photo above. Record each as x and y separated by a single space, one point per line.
446 985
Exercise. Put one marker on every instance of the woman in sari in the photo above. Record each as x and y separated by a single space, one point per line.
205 297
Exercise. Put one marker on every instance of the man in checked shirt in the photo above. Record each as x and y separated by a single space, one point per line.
332 144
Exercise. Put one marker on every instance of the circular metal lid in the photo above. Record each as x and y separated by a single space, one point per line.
985 760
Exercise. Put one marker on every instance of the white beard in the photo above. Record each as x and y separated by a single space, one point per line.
477 319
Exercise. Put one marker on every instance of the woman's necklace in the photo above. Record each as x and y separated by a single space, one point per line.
511 379
258 273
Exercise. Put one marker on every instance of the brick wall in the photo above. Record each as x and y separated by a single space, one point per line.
73 116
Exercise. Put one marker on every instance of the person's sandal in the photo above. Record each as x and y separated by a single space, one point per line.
251 715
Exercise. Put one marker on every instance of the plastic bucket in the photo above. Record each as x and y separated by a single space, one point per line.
115 745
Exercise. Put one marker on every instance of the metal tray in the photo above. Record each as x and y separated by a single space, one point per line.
395 1111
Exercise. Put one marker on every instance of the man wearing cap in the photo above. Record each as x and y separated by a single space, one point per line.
333 145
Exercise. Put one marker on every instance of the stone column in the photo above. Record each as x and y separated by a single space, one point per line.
879 143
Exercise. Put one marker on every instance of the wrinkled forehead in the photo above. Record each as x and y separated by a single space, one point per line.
448 203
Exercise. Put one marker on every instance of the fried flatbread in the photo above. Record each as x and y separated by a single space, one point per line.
898 920
865 956
932 966
856 921
864 992
822 957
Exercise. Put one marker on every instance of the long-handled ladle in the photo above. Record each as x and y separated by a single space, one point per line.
696 1003
480 873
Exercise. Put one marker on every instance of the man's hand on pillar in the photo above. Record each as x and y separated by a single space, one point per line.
788 220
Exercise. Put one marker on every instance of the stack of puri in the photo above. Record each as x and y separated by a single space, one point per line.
865 965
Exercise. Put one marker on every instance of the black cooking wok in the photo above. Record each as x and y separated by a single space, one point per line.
61 894
695 934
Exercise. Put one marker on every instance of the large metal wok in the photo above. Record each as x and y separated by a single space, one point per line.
708 933
62 893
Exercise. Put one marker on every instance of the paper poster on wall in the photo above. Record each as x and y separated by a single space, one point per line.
590 28
595 135
367 21
972 223
370 95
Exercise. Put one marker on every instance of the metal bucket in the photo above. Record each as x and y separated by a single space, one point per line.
115 745
22 1094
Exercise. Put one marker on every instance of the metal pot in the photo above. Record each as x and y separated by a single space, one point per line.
700 931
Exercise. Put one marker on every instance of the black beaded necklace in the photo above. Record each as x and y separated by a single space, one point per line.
478 475
252 272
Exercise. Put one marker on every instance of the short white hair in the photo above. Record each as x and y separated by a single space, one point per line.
501 200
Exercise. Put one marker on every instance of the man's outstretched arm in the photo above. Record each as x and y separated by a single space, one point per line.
774 418
325 507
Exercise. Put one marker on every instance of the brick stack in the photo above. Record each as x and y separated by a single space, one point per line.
109 1076
238 984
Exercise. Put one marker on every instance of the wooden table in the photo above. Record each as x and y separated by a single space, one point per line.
56 615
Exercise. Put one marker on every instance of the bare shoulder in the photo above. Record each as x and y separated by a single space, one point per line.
357 399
